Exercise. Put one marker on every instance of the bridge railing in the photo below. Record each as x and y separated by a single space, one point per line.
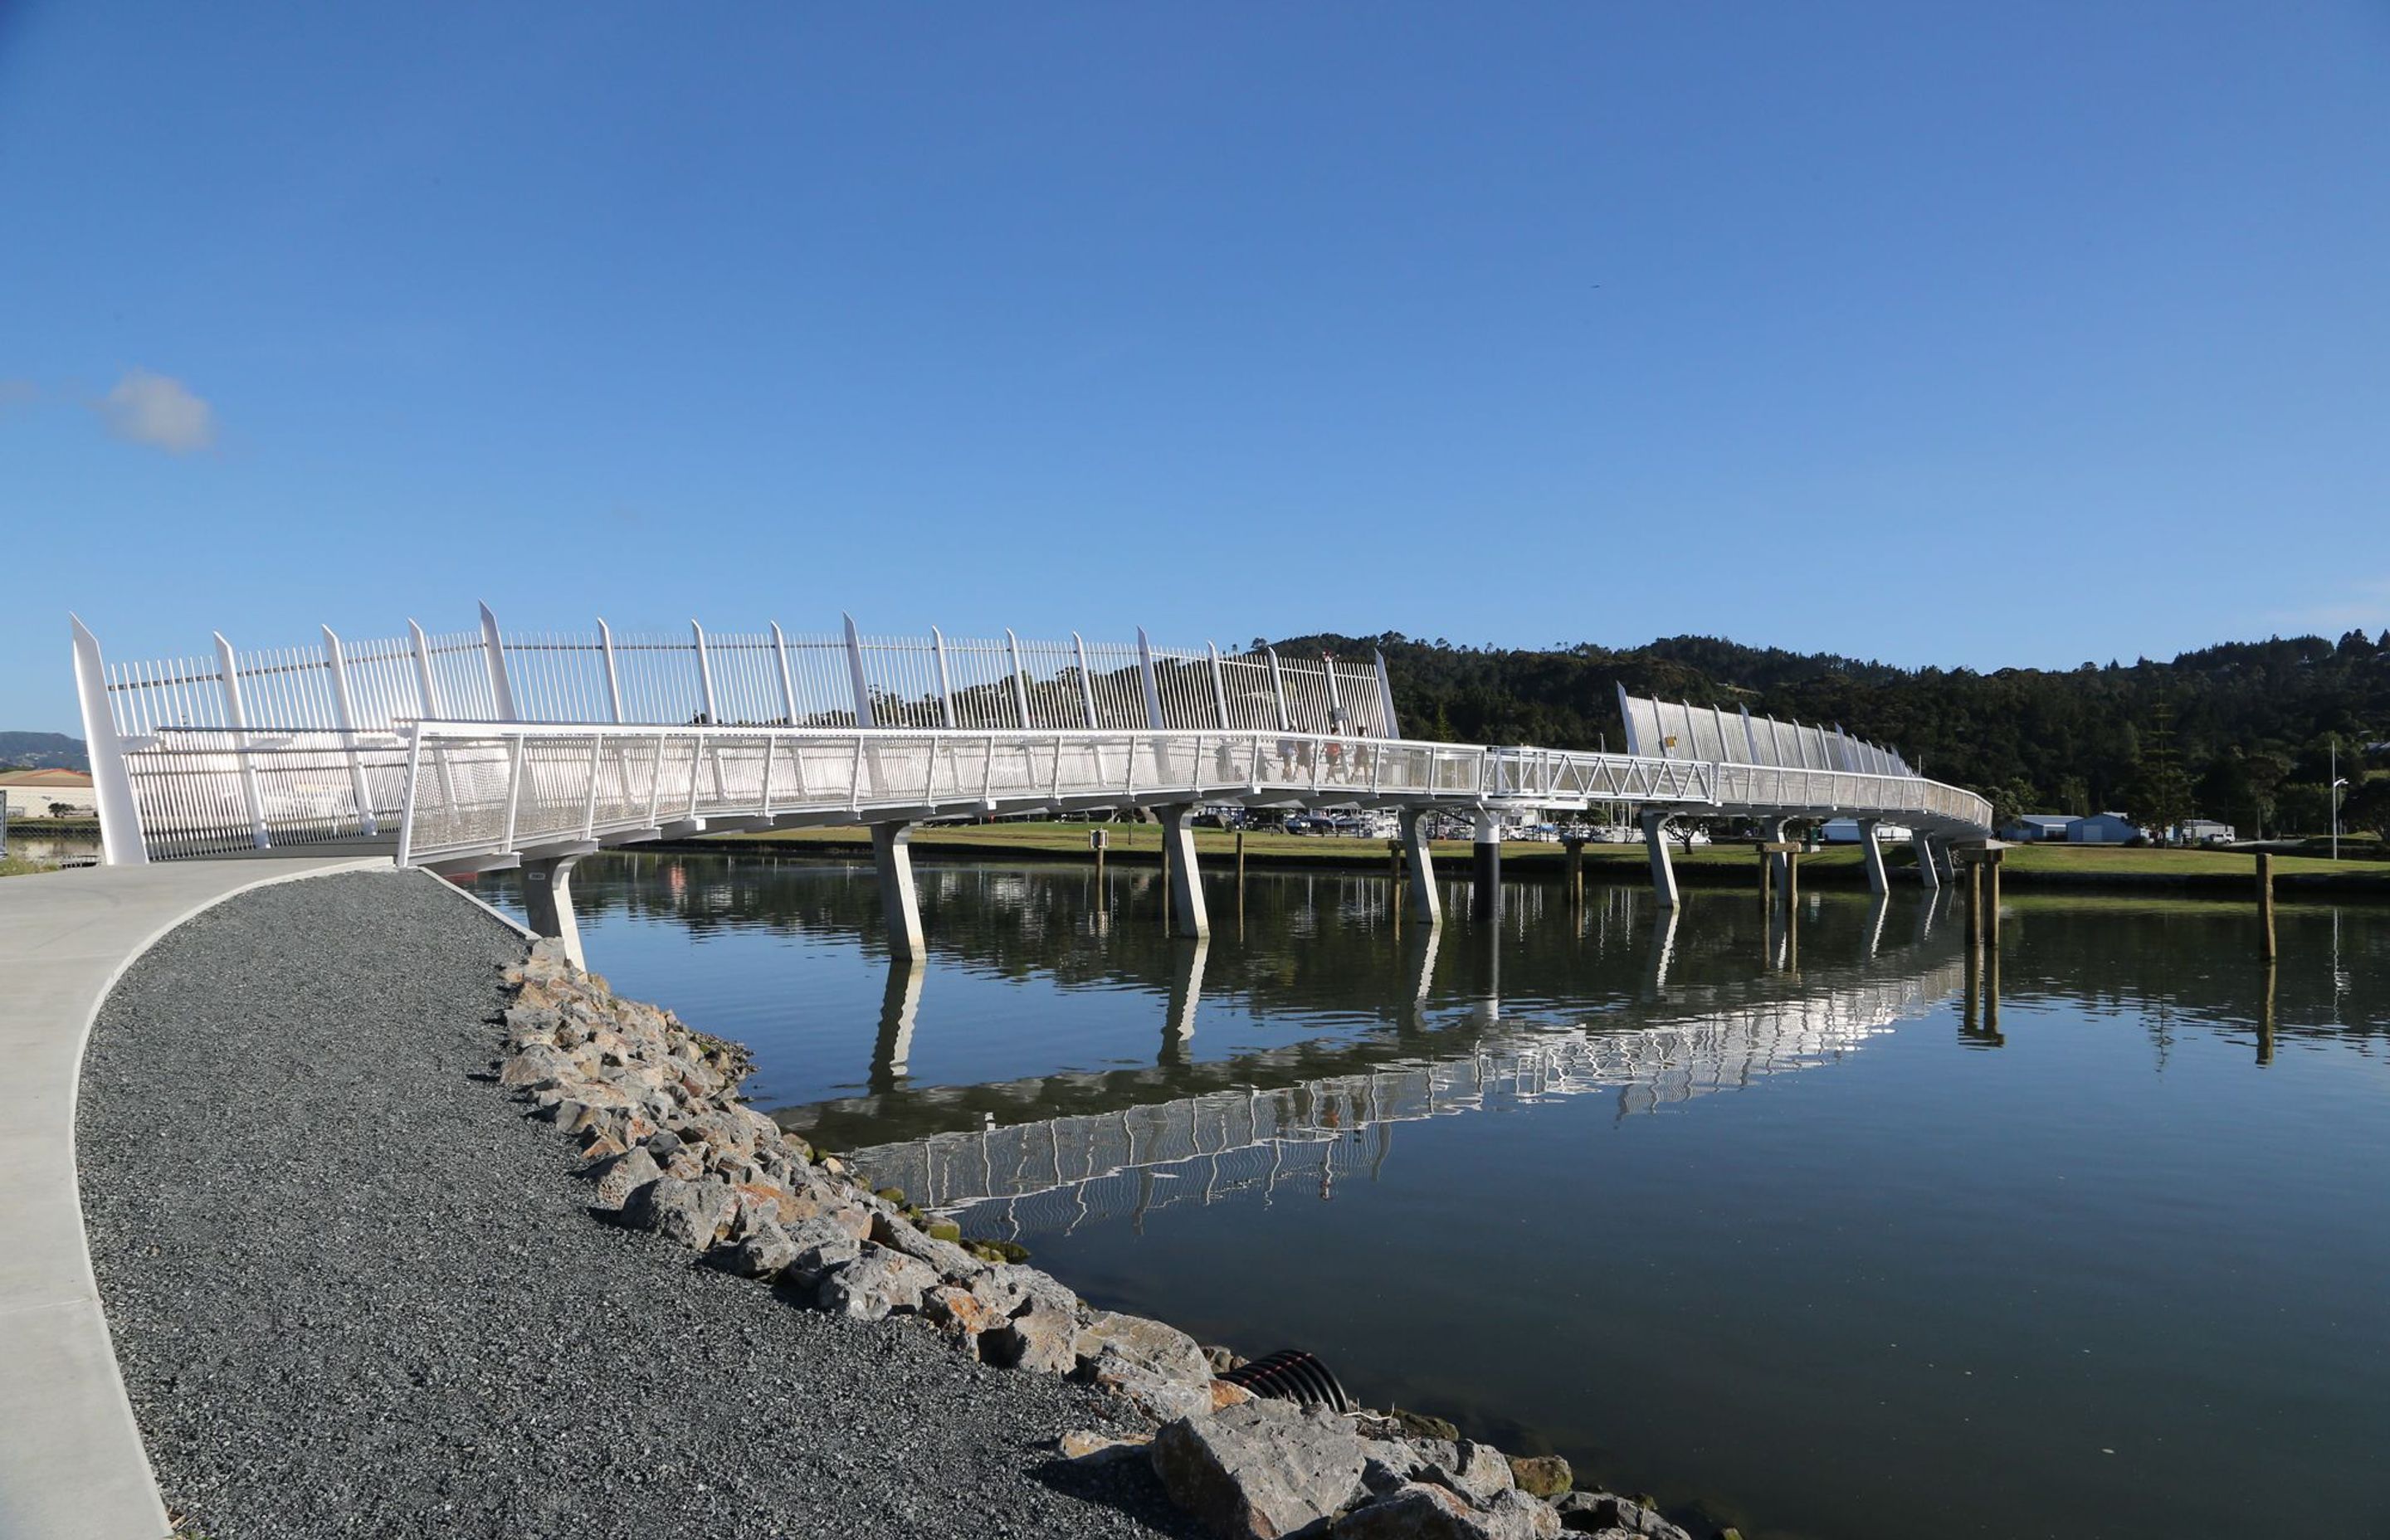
471 788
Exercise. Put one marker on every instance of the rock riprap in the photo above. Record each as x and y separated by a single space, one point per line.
668 1146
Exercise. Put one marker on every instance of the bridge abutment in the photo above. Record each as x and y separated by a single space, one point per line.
1664 871
900 901
548 904
1426 903
1486 867
1188 916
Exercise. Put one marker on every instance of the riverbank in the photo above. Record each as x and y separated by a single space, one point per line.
2060 867
354 1291
326 1169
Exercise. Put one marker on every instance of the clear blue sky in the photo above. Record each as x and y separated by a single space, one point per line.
1963 334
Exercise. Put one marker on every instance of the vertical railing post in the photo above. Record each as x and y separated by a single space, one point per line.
863 717
945 678
704 676
1219 688
1278 689
1086 680
1019 678
514 788
502 694
430 692
614 676
406 807
366 823
120 843
1152 690
230 671
788 684
1386 696
424 687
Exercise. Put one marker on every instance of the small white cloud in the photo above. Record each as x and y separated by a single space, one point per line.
158 410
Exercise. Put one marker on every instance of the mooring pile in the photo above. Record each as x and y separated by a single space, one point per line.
669 1147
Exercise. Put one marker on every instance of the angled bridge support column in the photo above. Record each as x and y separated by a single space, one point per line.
1929 870
1426 903
548 904
1871 853
900 901
1187 916
1655 843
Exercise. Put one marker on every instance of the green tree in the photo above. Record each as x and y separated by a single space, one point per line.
2367 808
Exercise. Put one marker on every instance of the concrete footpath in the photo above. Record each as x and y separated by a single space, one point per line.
71 1462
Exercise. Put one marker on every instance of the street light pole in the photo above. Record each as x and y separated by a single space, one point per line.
2336 784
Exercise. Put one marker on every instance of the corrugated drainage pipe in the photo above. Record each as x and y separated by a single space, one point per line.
1291 1375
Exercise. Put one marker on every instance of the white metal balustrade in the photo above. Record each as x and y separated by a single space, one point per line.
481 743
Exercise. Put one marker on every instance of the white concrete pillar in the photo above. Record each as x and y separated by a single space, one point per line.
1426 903
1871 853
548 904
1928 872
1187 916
1485 867
900 902
1664 873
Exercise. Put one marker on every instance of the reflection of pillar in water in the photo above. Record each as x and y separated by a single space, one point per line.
1972 992
1878 912
1422 948
1489 1007
2266 1018
900 1005
1186 990
1663 954
1992 989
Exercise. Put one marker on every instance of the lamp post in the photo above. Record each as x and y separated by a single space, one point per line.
2336 784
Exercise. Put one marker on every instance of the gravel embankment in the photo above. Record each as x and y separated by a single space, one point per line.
354 1290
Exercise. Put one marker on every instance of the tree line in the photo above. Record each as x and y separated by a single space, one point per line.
2243 732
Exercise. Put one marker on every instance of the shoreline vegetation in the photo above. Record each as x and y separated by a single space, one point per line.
1724 864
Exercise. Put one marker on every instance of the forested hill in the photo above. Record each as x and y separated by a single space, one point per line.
2240 731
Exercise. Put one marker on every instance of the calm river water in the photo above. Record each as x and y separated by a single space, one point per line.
1780 1230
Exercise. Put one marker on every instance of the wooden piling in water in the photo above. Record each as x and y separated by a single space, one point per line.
2266 913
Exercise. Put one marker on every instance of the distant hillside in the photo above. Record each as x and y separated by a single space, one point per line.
43 751
2240 731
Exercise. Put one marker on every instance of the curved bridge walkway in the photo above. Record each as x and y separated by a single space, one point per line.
487 749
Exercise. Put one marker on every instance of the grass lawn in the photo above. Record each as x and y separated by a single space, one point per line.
1146 839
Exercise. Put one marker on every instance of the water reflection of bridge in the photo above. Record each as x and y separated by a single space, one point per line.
1053 1172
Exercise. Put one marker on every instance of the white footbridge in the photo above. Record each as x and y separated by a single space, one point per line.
488 748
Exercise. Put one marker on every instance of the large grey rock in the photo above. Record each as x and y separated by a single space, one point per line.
1261 1470
694 1213
765 1252
1008 1285
1419 1511
822 1247
950 1260
1135 1343
625 1174
1600 1512
1161 1399
540 1064
1475 1470
878 1284
1038 1338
